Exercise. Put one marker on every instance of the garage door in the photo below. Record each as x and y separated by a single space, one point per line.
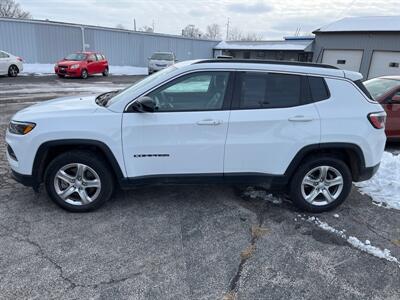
343 59
384 63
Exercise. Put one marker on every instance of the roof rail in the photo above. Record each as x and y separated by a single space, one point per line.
268 62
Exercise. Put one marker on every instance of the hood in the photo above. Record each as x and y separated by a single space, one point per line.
164 62
69 62
57 107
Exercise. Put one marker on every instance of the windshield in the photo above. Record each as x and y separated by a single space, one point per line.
380 86
76 56
162 56
139 84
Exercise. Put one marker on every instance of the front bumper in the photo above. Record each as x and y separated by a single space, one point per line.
26 180
68 72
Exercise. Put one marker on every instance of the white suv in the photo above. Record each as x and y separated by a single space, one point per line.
312 129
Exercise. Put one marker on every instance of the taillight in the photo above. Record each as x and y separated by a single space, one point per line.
377 119
20 59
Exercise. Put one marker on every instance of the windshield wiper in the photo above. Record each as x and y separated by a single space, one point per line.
102 99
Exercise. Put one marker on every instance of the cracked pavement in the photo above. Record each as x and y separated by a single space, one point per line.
189 242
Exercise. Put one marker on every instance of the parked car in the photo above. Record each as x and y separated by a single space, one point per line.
161 60
386 90
306 128
82 64
10 64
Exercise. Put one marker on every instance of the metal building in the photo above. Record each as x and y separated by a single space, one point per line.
297 48
370 45
46 42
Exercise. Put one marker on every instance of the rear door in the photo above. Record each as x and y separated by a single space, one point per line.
271 120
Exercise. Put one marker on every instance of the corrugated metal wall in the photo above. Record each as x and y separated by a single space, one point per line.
47 42
368 42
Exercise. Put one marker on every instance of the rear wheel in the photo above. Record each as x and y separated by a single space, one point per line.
320 184
79 181
13 71
105 73
84 74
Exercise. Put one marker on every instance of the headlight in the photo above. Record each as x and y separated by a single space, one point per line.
76 66
21 128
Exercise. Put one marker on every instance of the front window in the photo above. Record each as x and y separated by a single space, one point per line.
162 56
380 86
139 84
76 57
193 92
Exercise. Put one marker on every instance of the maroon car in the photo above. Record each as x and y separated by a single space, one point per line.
82 64
386 90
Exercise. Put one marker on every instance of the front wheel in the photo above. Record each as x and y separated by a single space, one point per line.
79 181
84 74
320 184
105 73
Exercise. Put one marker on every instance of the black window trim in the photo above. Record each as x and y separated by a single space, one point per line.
326 88
226 105
305 93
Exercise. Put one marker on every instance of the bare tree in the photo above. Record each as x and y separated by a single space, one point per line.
146 28
213 32
235 34
192 31
12 9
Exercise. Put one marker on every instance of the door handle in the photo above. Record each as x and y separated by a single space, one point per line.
301 119
209 122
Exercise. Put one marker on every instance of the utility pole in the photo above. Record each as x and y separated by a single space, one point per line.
153 25
227 29
134 24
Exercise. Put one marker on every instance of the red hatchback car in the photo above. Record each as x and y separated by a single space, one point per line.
386 90
82 64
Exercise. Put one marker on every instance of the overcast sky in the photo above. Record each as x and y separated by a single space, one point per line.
271 18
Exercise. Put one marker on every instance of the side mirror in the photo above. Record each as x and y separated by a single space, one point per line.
144 104
395 99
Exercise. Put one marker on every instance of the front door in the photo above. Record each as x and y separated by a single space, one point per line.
92 64
392 108
4 62
187 133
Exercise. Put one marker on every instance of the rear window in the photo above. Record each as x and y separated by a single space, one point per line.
318 88
266 90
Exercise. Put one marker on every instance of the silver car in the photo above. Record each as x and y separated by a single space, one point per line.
161 60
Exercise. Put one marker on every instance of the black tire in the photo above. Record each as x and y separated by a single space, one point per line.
60 75
105 73
308 165
13 71
84 74
89 159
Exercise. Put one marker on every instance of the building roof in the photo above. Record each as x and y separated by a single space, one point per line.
294 45
362 24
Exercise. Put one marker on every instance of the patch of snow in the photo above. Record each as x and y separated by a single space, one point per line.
260 193
355 242
48 69
375 251
336 216
374 23
384 187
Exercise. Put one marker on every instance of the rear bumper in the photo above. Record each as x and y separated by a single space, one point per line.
367 173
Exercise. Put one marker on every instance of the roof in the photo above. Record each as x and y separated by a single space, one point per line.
288 45
363 24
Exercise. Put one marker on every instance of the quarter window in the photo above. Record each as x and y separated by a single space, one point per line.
267 90
193 92
318 88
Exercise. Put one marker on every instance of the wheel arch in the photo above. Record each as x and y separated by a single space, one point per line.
350 153
49 150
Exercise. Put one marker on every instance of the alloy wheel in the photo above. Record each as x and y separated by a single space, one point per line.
322 185
13 71
77 184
